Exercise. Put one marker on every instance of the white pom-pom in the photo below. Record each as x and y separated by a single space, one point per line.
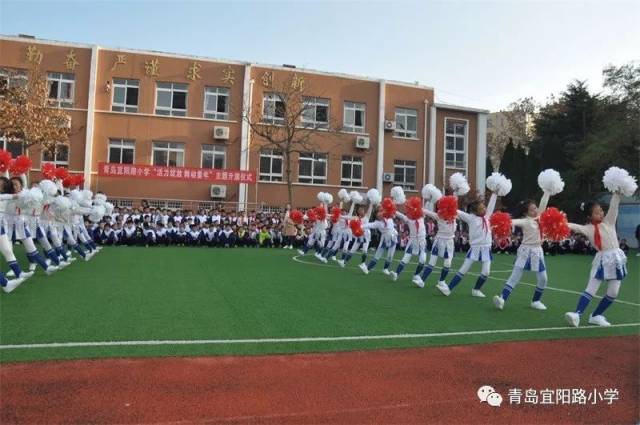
374 197
61 204
356 197
617 179
459 184
550 181
87 194
344 195
321 197
398 196
108 207
499 184
329 198
97 212
504 187
77 196
30 198
430 193
493 180
99 198
48 188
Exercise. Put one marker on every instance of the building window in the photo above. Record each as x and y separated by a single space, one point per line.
171 99
168 154
121 151
404 174
273 108
125 95
60 156
351 171
270 165
456 144
61 89
11 78
312 168
316 112
354 117
216 103
213 156
406 123
14 146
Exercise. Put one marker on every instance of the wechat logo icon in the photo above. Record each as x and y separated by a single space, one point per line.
488 394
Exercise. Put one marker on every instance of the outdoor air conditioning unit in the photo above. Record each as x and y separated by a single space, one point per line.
218 191
362 142
221 133
387 177
389 125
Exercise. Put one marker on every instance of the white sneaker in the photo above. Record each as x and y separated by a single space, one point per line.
68 253
32 267
301 252
333 258
323 260
498 301
477 293
51 270
417 280
10 273
341 263
394 276
317 255
572 318
71 259
26 275
537 305
386 271
599 320
12 284
364 268
87 257
63 264
444 288
48 262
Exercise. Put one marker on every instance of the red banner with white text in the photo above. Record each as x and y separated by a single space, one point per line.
138 171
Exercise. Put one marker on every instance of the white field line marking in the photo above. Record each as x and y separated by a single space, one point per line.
551 288
302 339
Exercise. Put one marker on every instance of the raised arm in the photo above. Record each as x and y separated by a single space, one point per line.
577 228
543 202
492 203
430 213
402 217
518 222
374 225
612 214
464 216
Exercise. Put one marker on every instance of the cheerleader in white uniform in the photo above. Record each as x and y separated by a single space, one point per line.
81 206
62 209
342 234
46 221
363 241
610 262
443 246
388 242
356 241
530 255
318 235
480 235
6 247
38 225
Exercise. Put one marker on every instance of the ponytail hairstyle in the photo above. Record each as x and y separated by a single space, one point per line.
473 206
523 207
587 208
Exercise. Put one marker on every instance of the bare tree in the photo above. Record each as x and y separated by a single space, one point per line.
515 125
289 121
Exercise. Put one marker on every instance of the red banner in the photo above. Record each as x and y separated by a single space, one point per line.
175 173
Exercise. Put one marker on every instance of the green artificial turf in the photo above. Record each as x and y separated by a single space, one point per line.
142 294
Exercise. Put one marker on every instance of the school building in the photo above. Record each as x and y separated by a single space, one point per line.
174 129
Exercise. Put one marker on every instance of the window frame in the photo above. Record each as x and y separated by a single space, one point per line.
311 103
213 152
349 105
406 113
172 112
454 151
270 176
131 145
12 75
219 91
313 157
352 161
128 83
178 148
405 165
267 99
59 78
56 161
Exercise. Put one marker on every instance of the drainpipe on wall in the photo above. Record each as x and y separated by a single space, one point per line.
245 134
432 146
424 142
91 107
380 158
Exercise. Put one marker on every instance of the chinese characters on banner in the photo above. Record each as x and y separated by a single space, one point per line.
175 173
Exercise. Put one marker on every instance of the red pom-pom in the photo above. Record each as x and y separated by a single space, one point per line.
336 212
296 216
321 213
61 173
500 225
554 225
413 207
79 180
5 160
355 225
311 215
448 208
20 165
48 170
68 181
389 209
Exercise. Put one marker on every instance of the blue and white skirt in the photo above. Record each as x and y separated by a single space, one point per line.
480 253
530 258
609 265
443 248
17 228
416 246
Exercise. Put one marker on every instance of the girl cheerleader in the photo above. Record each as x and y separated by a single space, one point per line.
340 233
388 236
530 255
363 241
417 244
47 221
5 243
38 224
443 246
318 236
610 261
480 234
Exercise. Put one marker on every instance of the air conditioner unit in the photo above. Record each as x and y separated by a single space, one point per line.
389 125
221 133
362 142
387 177
218 191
